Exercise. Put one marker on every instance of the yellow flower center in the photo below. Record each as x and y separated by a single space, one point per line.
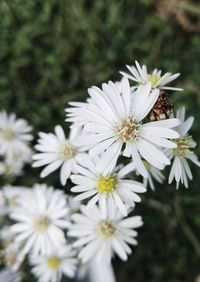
66 151
106 229
41 223
127 130
106 184
8 134
53 262
183 146
154 79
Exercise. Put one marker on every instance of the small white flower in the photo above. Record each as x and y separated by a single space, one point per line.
140 75
113 123
41 217
14 136
51 268
101 237
180 169
57 151
106 186
10 168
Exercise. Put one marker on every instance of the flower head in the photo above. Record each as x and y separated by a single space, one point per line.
50 268
124 129
14 136
180 169
57 151
41 216
101 237
107 186
140 75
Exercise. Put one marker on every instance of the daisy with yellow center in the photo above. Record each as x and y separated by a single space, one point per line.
55 151
124 129
40 215
52 267
14 137
140 75
99 237
180 155
107 186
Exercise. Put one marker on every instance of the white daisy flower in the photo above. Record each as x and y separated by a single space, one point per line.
14 136
180 169
113 123
57 151
10 168
106 186
100 237
51 268
140 75
41 217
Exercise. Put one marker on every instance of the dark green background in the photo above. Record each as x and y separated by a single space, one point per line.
51 51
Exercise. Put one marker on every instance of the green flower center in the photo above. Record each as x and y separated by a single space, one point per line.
53 262
154 79
106 184
106 229
41 223
127 130
183 146
66 151
8 134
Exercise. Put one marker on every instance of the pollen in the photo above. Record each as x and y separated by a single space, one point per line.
106 229
8 134
66 151
183 146
154 79
127 130
41 223
106 184
53 262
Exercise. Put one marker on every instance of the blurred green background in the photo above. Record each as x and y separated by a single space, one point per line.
52 51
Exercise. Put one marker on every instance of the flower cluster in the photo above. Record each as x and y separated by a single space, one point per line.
120 134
